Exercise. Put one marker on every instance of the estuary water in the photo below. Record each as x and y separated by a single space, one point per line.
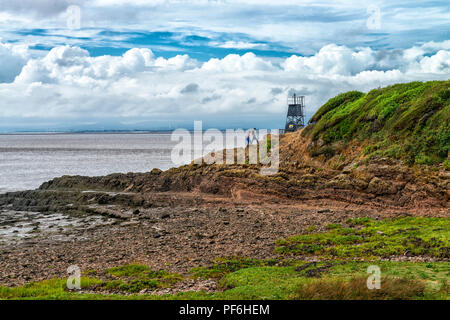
28 160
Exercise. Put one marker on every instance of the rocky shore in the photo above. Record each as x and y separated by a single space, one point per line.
188 216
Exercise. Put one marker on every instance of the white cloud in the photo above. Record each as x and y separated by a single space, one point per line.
237 63
239 45
340 60
438 63
68 83
333 59
12 59
179 62
73 65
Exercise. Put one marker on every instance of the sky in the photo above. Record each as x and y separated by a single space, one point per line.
160 65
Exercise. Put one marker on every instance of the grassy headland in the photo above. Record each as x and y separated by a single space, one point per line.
408 121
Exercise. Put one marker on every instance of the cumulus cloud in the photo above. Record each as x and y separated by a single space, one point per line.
239 45
12 60
73 65
439 63
340 60
69 83
333 59
237 63
179 62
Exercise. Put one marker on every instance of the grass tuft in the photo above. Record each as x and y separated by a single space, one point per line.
356 289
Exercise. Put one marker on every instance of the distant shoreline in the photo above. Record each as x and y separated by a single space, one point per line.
83 132
107 132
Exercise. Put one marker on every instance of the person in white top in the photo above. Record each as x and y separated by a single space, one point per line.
254 136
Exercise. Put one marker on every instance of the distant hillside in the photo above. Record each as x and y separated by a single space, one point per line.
404 121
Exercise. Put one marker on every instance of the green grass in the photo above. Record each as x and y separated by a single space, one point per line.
224 266
367 238
54 289
345 251
408 121
284 282
130 270
133 278
269 282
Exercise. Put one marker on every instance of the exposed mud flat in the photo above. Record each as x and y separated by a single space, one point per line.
18 226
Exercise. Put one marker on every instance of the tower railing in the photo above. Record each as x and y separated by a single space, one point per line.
296 100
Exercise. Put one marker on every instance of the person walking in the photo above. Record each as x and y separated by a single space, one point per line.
254 136
247 138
